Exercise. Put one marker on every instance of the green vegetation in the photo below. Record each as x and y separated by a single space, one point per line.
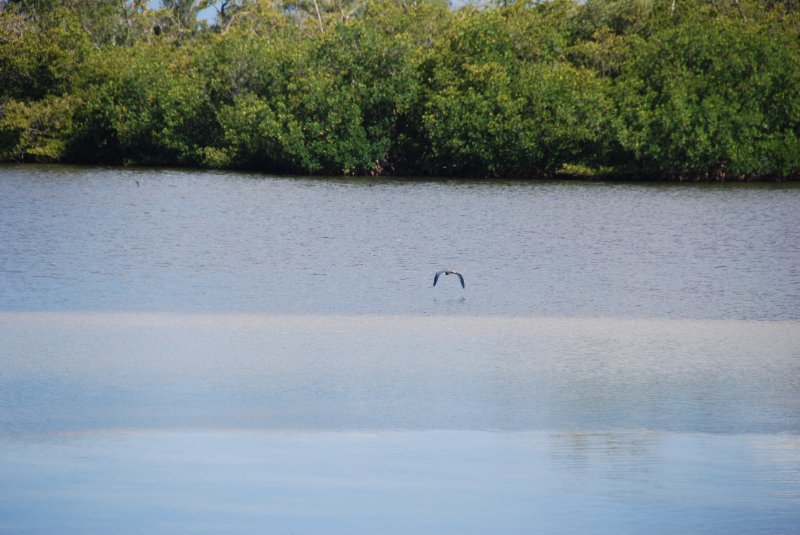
674 89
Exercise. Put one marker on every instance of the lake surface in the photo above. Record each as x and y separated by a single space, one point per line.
199 352
76 239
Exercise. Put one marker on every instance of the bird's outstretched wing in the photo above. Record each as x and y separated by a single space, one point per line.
460 278
436 277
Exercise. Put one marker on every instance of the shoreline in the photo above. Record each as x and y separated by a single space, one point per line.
577 175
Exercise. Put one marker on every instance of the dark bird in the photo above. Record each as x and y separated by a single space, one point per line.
448 272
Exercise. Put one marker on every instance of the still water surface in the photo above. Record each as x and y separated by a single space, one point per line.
76 239
220 352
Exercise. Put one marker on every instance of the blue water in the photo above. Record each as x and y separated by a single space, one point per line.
401 482
91 239
233 353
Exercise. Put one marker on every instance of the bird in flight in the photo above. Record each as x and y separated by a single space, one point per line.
448 272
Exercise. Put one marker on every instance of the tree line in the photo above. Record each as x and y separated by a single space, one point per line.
668 89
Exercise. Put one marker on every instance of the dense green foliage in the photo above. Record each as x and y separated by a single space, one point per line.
683 89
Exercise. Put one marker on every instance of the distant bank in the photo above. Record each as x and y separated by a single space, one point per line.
601 89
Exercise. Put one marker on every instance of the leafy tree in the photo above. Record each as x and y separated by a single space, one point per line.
502 103
145 104
715 99
37 61
180 16
37 67
684 89
103 21
37 130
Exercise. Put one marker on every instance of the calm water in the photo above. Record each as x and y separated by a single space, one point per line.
206 352
92 240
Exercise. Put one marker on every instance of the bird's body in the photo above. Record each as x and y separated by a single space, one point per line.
448 272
